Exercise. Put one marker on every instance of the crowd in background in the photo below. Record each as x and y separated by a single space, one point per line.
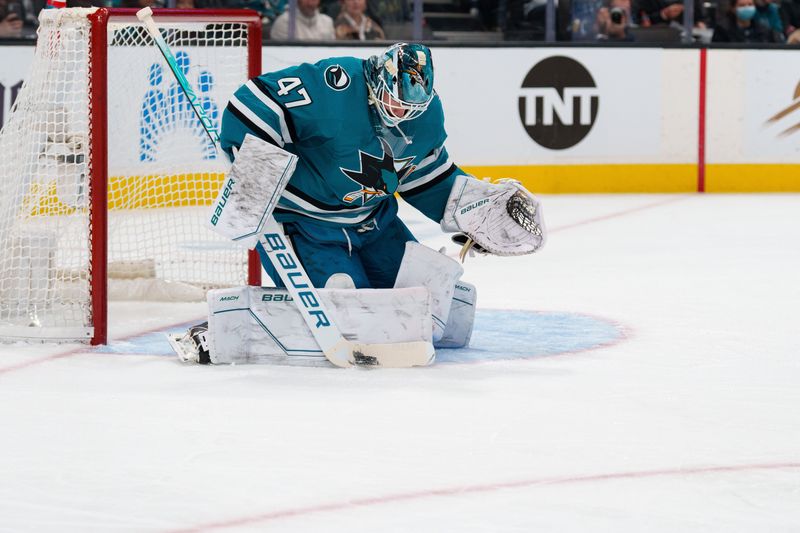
743 21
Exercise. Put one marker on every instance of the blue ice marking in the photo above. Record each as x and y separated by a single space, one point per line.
152 343
501 335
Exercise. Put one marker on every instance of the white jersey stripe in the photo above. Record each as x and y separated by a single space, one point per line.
275 108
430 159
327 218
254 118
307 206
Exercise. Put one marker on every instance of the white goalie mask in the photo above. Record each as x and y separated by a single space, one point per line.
400 82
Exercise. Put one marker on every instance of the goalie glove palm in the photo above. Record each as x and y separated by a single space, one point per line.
501 218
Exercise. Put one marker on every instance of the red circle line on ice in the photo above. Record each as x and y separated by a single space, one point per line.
348 505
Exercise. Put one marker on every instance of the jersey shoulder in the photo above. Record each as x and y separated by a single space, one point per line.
428 129
319 96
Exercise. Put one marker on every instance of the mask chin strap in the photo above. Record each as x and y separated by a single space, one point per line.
373 100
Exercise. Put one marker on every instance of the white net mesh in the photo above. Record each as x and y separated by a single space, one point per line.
163 172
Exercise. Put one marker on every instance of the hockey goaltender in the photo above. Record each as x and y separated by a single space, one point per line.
324 148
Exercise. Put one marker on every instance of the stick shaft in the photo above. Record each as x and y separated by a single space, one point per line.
146 16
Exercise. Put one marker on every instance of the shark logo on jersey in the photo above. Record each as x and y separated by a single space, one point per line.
337 78
378 176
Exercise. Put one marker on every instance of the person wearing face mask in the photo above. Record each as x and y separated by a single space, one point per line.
739 26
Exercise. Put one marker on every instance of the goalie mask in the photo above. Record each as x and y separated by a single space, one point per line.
400 82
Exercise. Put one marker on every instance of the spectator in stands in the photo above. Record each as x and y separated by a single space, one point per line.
768 15
389 11
790 13
138 4
738 27
583 19
309 23
614 20
10 21
354 24
18 19
666 12
268 9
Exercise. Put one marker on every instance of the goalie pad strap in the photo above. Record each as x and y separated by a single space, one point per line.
458 331
502 218
424 267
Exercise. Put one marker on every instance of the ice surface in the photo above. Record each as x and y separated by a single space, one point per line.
639 374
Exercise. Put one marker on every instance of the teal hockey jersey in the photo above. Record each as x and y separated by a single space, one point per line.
350 164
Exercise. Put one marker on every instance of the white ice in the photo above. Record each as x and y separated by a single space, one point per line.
691 422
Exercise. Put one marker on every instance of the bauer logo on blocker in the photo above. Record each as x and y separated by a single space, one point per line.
558 102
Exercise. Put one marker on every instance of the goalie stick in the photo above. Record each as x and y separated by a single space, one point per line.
338 350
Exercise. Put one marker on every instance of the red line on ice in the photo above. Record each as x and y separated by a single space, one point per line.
83 350
478 489
620 213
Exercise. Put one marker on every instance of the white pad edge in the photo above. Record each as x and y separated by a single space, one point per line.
425 267
461 320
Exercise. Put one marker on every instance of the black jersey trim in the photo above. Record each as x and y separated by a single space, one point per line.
259 83
263 135
425 186
316 203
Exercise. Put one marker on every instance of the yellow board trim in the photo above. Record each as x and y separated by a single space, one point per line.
557 179
178 190
200 189
752 178
132 192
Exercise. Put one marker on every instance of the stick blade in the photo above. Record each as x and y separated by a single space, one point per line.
395 355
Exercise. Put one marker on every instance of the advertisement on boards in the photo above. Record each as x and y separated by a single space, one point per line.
522 106
771 106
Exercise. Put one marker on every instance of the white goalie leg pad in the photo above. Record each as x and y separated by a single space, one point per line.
502 218
462 317
425 267
251 190
260 324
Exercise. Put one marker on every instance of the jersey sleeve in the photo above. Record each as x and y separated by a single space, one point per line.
428 187
287 107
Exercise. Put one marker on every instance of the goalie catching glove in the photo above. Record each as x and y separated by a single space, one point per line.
500 218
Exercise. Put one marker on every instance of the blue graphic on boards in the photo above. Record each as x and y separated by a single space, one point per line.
166 109
499 335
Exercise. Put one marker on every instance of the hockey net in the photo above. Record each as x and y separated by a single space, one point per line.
106 174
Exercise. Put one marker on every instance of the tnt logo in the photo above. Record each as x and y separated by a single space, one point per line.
558 102
166 110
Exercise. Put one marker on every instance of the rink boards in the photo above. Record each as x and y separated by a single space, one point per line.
592 119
